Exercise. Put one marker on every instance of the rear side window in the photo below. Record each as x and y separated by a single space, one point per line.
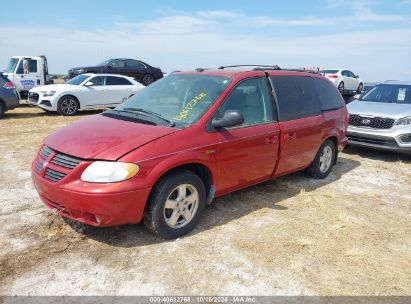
296 97
329 98
134 64
117 81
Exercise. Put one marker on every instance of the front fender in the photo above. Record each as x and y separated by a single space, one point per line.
151 170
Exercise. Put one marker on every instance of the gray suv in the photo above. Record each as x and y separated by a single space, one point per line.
381 118
8 96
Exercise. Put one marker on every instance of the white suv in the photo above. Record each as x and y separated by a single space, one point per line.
345 80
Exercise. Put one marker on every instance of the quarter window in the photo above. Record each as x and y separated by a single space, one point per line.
329 97
251 97
296 97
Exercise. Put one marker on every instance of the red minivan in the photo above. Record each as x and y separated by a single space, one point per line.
164 154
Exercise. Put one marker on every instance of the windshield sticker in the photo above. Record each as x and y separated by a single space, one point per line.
27 84
189 106
401 94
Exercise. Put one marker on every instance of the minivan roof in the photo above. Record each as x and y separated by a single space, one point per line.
251 72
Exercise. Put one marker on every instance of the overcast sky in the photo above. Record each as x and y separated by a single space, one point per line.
370 37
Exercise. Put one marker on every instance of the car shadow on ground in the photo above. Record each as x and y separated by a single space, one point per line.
224 209
386 156
18 115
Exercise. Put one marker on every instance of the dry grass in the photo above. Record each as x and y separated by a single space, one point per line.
349 234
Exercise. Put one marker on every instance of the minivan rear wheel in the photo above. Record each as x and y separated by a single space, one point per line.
175 205
323 161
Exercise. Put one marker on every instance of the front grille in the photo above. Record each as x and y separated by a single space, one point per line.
64 161
38 166
371 122
54 175
45 152
33 97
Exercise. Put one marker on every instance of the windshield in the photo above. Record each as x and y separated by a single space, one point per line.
103 63
11 66
392 93
329 71
77 80
179 98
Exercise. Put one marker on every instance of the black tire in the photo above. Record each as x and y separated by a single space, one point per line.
147 79
156 212
68 105
2 110
317 170
341 87
360 88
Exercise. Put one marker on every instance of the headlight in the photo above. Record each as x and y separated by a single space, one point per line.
403 121
109 172
48 94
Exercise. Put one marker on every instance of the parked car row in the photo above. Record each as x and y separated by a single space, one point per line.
28 72
139 70
84 92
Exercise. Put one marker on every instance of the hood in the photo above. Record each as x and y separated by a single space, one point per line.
381 109
100 137
54 87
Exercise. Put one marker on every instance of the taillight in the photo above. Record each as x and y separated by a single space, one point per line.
8 85
332 76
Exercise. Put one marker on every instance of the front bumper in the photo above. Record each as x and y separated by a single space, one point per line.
37 99
93 204
386 139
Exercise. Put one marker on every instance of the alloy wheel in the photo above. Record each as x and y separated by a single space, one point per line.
68 106
325 159
181 206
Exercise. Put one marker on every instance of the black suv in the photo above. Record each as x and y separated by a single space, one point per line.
137 69
8 96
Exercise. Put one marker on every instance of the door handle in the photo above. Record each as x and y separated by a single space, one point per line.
290 136
271 140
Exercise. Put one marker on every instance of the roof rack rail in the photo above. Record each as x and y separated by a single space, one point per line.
249 65
201 69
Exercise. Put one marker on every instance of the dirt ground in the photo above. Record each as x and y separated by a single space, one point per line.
349 234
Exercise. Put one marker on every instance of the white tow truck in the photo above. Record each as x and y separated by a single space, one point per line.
27 72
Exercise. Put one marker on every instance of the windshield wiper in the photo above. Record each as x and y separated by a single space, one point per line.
151 113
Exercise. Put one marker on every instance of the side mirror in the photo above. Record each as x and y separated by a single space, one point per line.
356 96
88 84
356 76
230 118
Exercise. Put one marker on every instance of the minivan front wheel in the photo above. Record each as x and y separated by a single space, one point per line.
323 161
175 205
